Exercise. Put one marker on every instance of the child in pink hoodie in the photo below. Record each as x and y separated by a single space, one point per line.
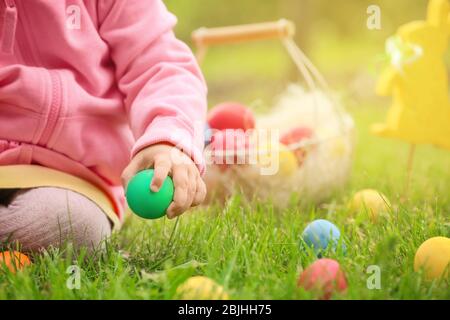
91 92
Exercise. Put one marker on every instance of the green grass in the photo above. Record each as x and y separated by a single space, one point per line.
253 250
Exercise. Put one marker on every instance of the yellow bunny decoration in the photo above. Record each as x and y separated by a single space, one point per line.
417 80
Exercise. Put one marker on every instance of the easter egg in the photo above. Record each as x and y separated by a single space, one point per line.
433 257
230 147
288 164
143 201
321 235
231 115
294 136
14 260
370 201
339 147
201 288
278 157
323 277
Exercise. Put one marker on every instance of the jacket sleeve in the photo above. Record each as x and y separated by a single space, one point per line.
164 90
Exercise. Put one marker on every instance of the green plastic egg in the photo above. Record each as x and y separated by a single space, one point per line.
143 201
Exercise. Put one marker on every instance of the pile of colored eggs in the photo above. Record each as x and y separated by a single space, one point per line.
227 133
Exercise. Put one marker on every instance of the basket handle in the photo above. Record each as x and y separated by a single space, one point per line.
283 30
280 29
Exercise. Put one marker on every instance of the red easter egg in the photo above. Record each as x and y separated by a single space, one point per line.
231 115
324 276
230 147
296 135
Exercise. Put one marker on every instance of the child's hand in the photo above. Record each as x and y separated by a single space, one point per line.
190 190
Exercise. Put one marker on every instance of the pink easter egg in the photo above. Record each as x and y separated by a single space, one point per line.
325 277
231 115
230 147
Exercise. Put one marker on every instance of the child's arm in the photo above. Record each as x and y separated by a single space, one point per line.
164 94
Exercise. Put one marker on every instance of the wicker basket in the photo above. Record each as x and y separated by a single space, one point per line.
327 158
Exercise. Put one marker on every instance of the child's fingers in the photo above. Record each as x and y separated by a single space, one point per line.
162 169
180 198
200 193
192 186
137 163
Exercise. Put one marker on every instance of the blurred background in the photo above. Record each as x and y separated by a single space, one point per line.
333 34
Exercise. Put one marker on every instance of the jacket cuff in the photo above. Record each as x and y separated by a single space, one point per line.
190 141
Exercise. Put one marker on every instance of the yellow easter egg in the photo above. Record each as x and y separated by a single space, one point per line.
371 201
278 157
288 161
338 148
201 288
433 257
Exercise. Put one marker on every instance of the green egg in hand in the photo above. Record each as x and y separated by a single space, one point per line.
143 201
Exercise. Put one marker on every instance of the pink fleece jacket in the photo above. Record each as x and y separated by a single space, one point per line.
85 85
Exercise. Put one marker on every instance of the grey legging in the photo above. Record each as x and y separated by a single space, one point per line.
42 217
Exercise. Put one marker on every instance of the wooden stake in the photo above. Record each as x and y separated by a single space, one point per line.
201 53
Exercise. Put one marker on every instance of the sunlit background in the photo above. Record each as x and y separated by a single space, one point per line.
335 36
251 249
332 33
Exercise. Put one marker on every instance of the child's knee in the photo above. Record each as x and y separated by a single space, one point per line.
43 217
